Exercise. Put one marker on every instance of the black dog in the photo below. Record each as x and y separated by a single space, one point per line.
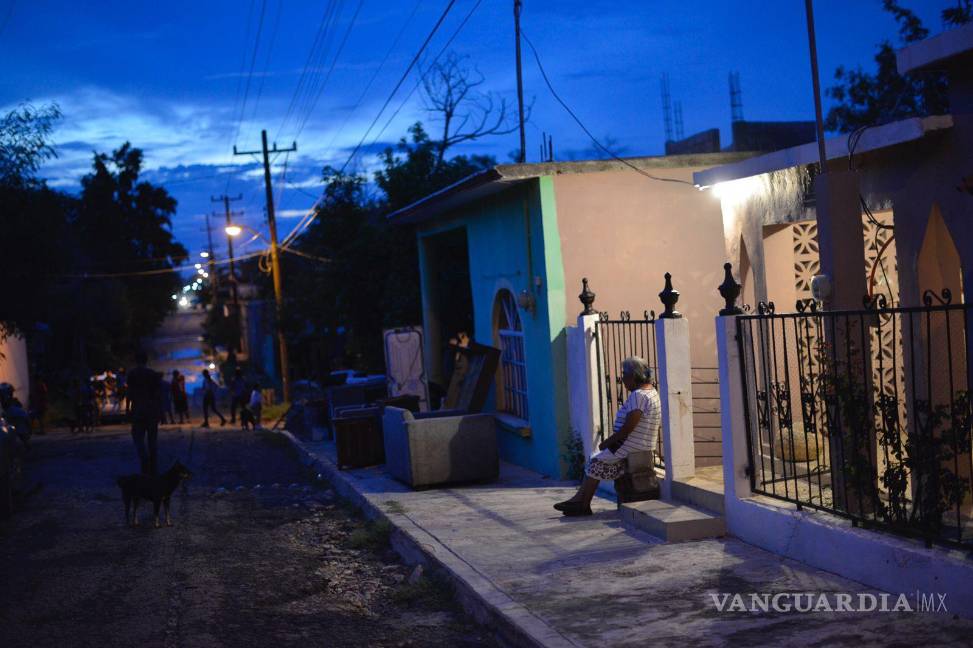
156 488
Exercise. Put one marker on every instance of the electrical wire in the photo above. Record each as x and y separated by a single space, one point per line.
313 257
422 78
253 62
405 75
378 70
315 76
270 53
320 37
587 132
334 62
312 212
158 271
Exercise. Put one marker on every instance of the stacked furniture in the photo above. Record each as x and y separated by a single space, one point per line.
452 445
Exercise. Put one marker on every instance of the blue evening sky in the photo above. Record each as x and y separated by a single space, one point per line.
170 76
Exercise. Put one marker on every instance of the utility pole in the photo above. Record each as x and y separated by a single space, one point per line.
274 254
229 240
211 260
520 84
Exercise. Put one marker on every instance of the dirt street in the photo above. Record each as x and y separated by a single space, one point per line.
260 554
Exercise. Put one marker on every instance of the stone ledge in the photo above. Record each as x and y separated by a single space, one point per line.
673 522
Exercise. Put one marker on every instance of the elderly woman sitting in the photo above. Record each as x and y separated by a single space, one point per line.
636 429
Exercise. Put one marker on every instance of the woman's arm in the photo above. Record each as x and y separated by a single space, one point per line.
615 441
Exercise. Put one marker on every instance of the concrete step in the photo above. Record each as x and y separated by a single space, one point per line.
699 492
673 522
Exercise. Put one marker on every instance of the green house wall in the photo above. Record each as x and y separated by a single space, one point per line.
497 237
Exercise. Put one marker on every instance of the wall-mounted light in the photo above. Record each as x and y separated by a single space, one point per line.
527 301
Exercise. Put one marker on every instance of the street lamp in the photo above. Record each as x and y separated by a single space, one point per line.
234 230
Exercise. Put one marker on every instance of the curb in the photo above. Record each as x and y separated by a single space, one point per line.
486 603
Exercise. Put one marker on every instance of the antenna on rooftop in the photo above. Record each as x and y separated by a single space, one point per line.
736 97
677 112
666 107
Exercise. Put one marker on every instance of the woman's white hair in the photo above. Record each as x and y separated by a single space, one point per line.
638 369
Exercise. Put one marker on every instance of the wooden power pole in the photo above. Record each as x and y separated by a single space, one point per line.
229 240
520 84
274 254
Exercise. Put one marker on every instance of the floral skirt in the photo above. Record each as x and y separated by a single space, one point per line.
601 469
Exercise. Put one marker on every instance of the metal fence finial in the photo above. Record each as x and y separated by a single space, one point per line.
729 291
587 298
669 297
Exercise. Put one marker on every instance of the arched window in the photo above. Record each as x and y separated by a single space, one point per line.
508 334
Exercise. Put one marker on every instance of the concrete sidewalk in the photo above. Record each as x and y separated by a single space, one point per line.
539 578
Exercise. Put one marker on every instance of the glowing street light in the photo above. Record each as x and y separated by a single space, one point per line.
234 230
199 266
205 255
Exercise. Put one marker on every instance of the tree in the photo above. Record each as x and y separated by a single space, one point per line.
865 99
451 90
127 224
371 280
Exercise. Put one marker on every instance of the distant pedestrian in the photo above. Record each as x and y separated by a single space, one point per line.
143 394
121 391
165 402
38 404
209 399
256 405
238 394
179 399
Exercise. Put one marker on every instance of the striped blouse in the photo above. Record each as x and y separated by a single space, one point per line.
646 433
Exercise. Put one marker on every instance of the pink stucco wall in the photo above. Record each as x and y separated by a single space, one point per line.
624 231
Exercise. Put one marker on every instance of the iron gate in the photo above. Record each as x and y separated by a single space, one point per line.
616 340
866 414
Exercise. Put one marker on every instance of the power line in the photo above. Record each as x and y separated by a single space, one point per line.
270 53
312 212
313 257
253 61
158 271
334 62
378 70
424 74
319 38
405 75
594 140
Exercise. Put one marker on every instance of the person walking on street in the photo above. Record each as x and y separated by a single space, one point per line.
179 398
256 406
143 396
37 405
238 394
209 399
165 402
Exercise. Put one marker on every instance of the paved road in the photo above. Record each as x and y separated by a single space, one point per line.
257 565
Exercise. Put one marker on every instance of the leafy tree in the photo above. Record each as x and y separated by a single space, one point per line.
865 99
124 223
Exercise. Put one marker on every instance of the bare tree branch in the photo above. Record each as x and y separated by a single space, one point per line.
451 94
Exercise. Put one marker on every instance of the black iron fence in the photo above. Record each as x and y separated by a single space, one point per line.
866 414
617 339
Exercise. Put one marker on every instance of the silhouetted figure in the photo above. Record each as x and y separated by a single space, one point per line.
38 403
238 394
143 397
179 399
209 399
165 402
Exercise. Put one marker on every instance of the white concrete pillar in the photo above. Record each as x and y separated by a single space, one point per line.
736 482
583 380
676 392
